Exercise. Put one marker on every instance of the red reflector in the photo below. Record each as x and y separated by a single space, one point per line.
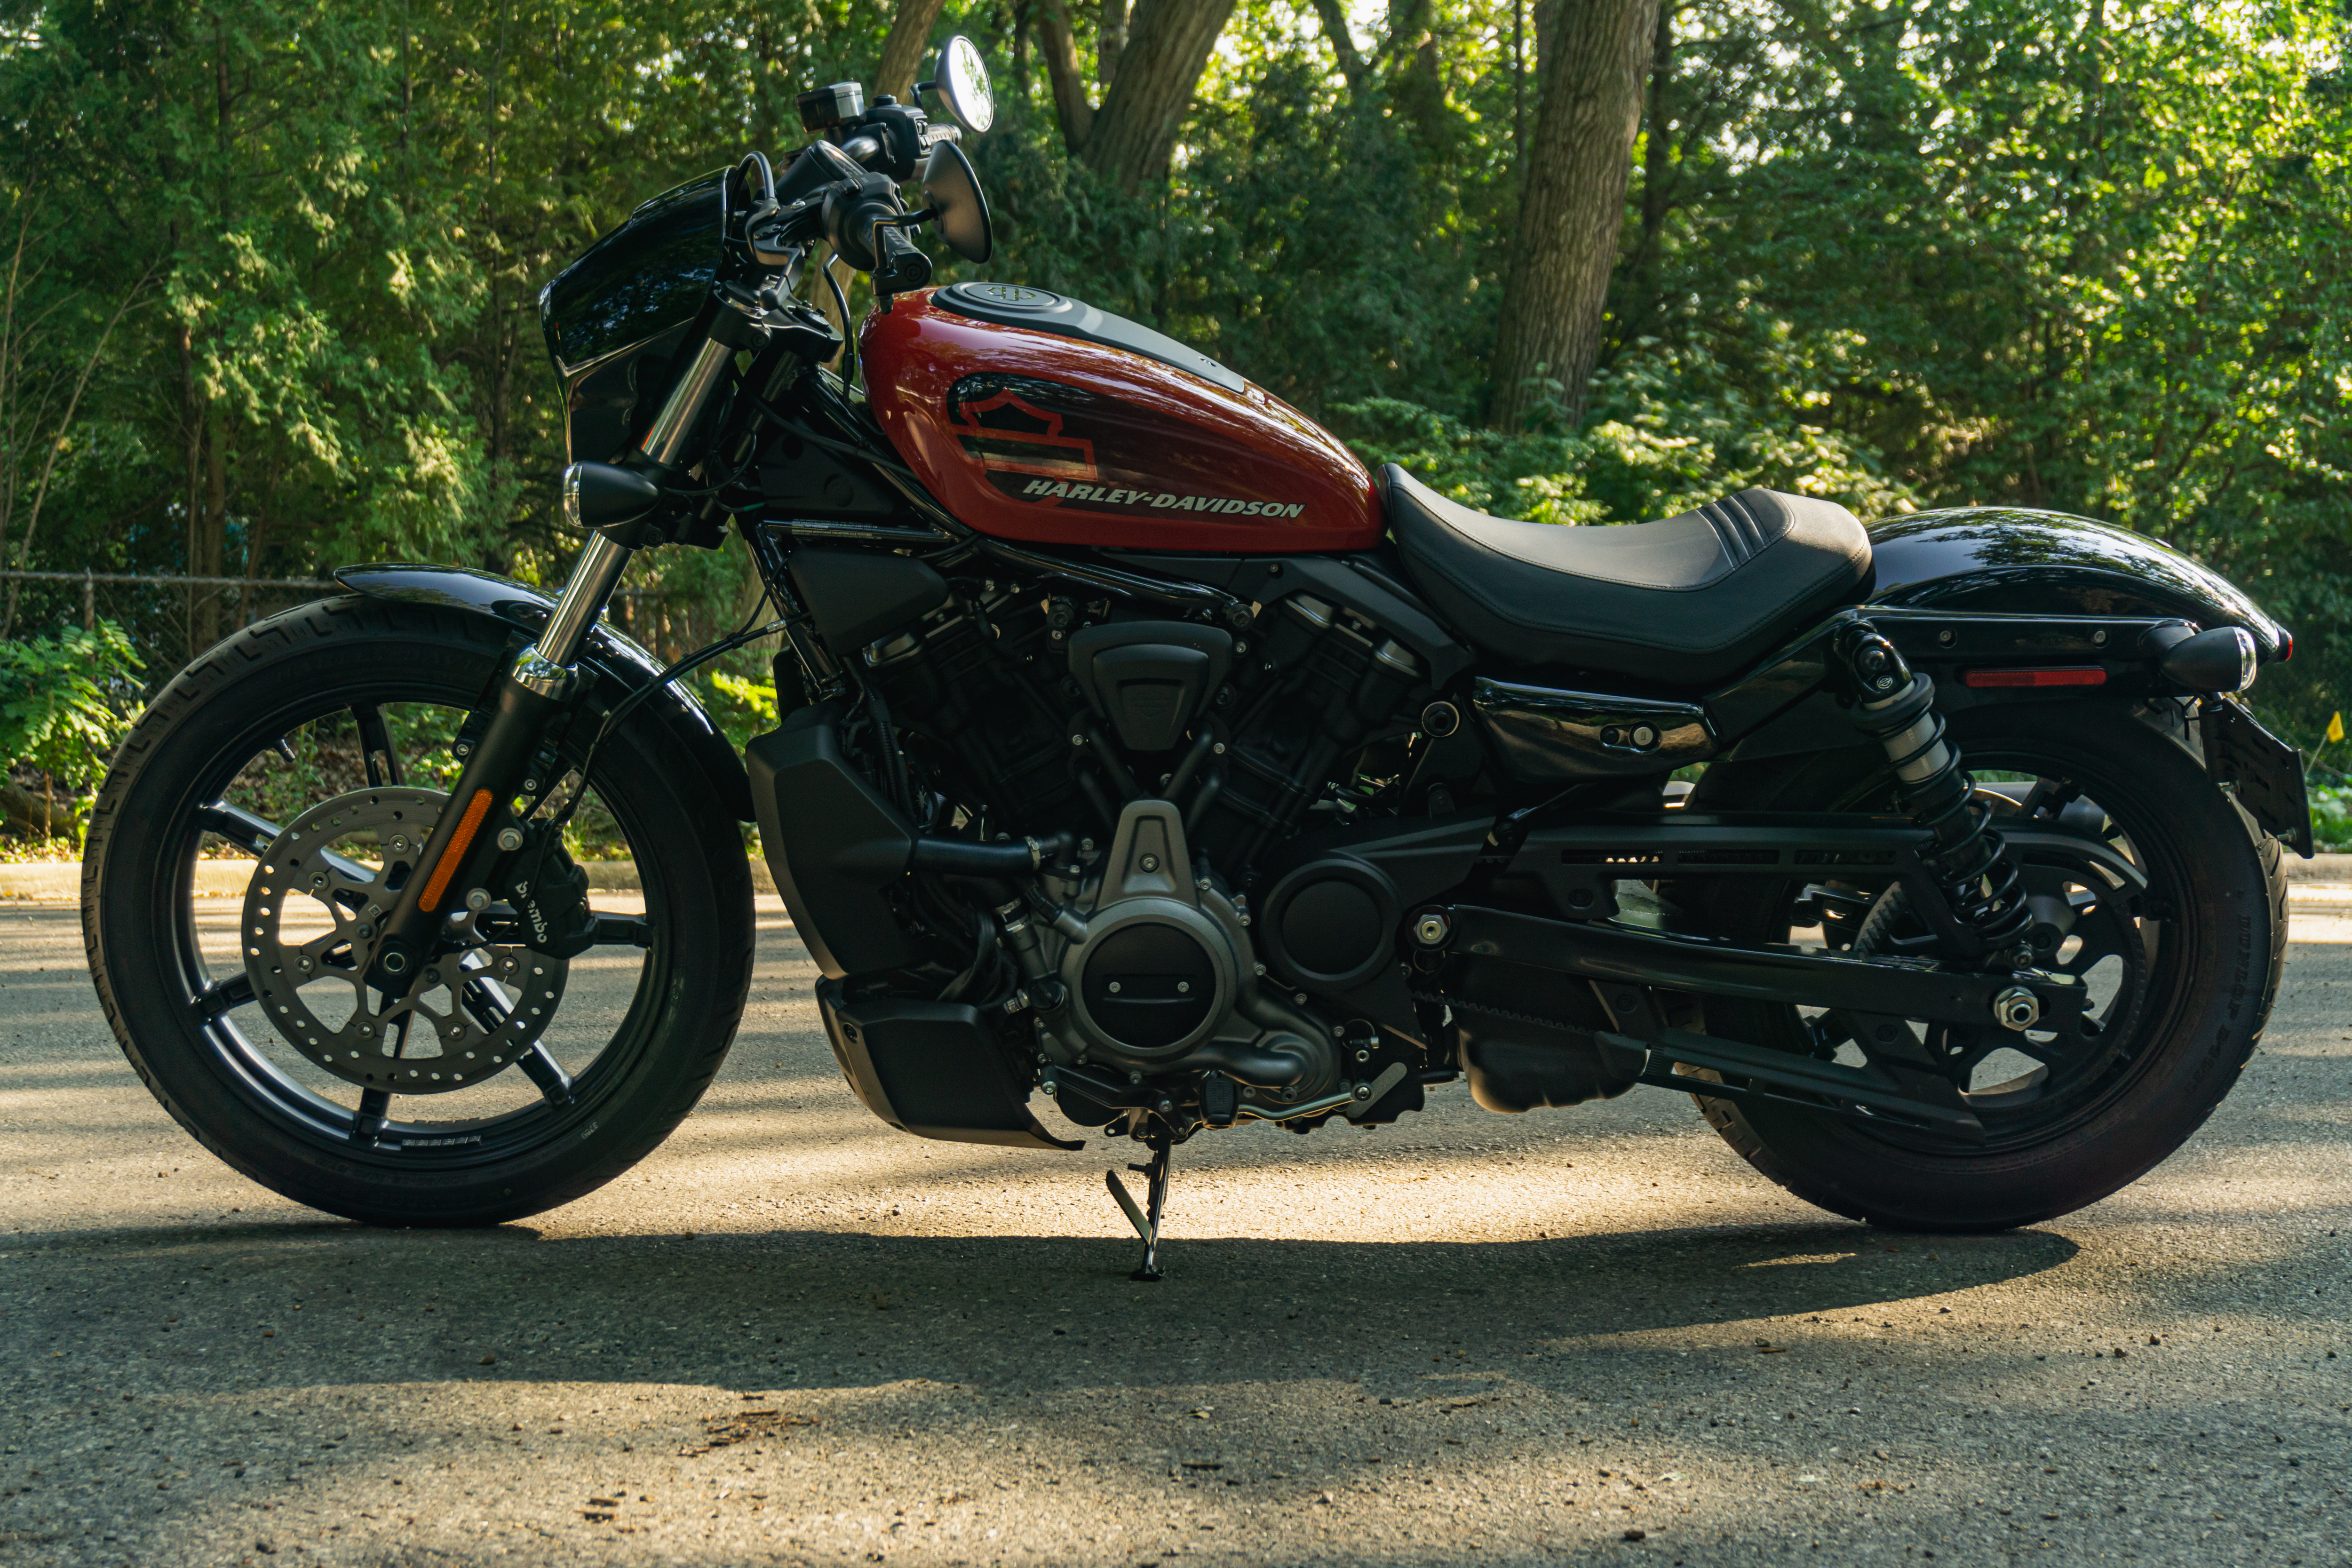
2075 675
2286 644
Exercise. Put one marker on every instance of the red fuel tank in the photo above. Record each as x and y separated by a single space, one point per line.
1033 417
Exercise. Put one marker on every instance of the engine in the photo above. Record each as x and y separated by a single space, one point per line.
1149 969
1167 758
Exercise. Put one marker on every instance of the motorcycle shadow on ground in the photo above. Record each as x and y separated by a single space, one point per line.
839 1310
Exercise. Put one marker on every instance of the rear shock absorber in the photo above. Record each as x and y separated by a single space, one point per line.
1897 709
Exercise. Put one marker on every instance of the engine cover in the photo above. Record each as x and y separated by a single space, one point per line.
1160 974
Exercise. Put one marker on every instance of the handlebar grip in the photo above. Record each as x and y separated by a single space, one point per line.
903 266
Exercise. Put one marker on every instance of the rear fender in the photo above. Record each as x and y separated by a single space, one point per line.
1971 590
619 666
2009 561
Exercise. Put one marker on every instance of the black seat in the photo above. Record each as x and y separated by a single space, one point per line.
1686 601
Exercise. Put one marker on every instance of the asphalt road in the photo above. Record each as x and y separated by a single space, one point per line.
795 1335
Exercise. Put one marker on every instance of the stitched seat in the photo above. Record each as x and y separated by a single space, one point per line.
1686 601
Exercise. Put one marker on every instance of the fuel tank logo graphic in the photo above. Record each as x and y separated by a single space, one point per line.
1069 448
1051 490
1011 435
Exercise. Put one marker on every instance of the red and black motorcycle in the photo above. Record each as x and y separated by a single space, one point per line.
1135 745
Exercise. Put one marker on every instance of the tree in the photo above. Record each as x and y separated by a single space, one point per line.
904 50
1151 65
1595 60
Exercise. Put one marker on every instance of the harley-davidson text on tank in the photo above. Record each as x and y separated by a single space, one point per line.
1035 418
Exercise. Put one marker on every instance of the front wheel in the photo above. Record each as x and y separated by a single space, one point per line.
315 749
2176 944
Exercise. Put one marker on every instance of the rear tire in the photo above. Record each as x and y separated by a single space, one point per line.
2214 973
228 1080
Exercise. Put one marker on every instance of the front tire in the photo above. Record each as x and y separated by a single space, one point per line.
2213 931
225 731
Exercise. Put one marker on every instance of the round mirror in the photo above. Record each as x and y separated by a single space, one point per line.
957 205
962 82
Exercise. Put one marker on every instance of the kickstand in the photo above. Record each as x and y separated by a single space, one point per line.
1155 1199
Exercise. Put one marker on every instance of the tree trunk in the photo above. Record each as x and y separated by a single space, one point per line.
1109 39
904 50
211 539
1167 45
1574 204
1334 18
20 813
192 493
1072 106
1021 47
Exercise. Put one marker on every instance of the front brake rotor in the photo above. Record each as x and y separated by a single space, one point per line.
472 1007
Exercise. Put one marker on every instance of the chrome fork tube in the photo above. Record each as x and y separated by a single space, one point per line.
592 577
666 437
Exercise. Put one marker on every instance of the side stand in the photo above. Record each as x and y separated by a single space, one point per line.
1155 1199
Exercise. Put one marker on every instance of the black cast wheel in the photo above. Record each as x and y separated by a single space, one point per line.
2145 883
311 751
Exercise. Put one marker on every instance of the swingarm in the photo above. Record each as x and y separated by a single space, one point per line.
1887 987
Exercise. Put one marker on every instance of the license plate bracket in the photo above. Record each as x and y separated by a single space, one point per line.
2266 771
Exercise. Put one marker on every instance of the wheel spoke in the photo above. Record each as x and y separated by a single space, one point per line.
375 1104
375 746
541 1068
481 999
218 998
631 931
241 827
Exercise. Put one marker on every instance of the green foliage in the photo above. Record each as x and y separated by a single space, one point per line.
741 706
1669 429
66 701
2090 257
2331 819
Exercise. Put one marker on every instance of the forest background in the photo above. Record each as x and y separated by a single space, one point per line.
271 267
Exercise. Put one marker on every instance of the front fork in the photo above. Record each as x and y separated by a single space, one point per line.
543 683
474 831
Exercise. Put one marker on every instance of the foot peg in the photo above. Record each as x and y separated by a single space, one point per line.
1155 1176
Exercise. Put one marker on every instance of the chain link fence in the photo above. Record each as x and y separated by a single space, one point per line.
171 619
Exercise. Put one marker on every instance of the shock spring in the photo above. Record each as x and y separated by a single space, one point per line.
1897 708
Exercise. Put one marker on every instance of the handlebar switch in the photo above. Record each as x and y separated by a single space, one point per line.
900 128
830 106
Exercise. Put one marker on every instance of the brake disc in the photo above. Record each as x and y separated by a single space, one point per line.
470 1010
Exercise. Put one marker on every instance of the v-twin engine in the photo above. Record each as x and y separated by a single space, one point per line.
1147 968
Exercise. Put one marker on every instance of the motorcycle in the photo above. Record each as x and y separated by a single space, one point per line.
1136 746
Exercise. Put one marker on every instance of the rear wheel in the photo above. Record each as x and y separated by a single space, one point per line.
312 751
2178 942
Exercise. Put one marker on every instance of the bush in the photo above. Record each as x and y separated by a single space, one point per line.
66 700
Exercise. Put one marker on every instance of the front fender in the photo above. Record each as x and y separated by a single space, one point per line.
2016 562
615 659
